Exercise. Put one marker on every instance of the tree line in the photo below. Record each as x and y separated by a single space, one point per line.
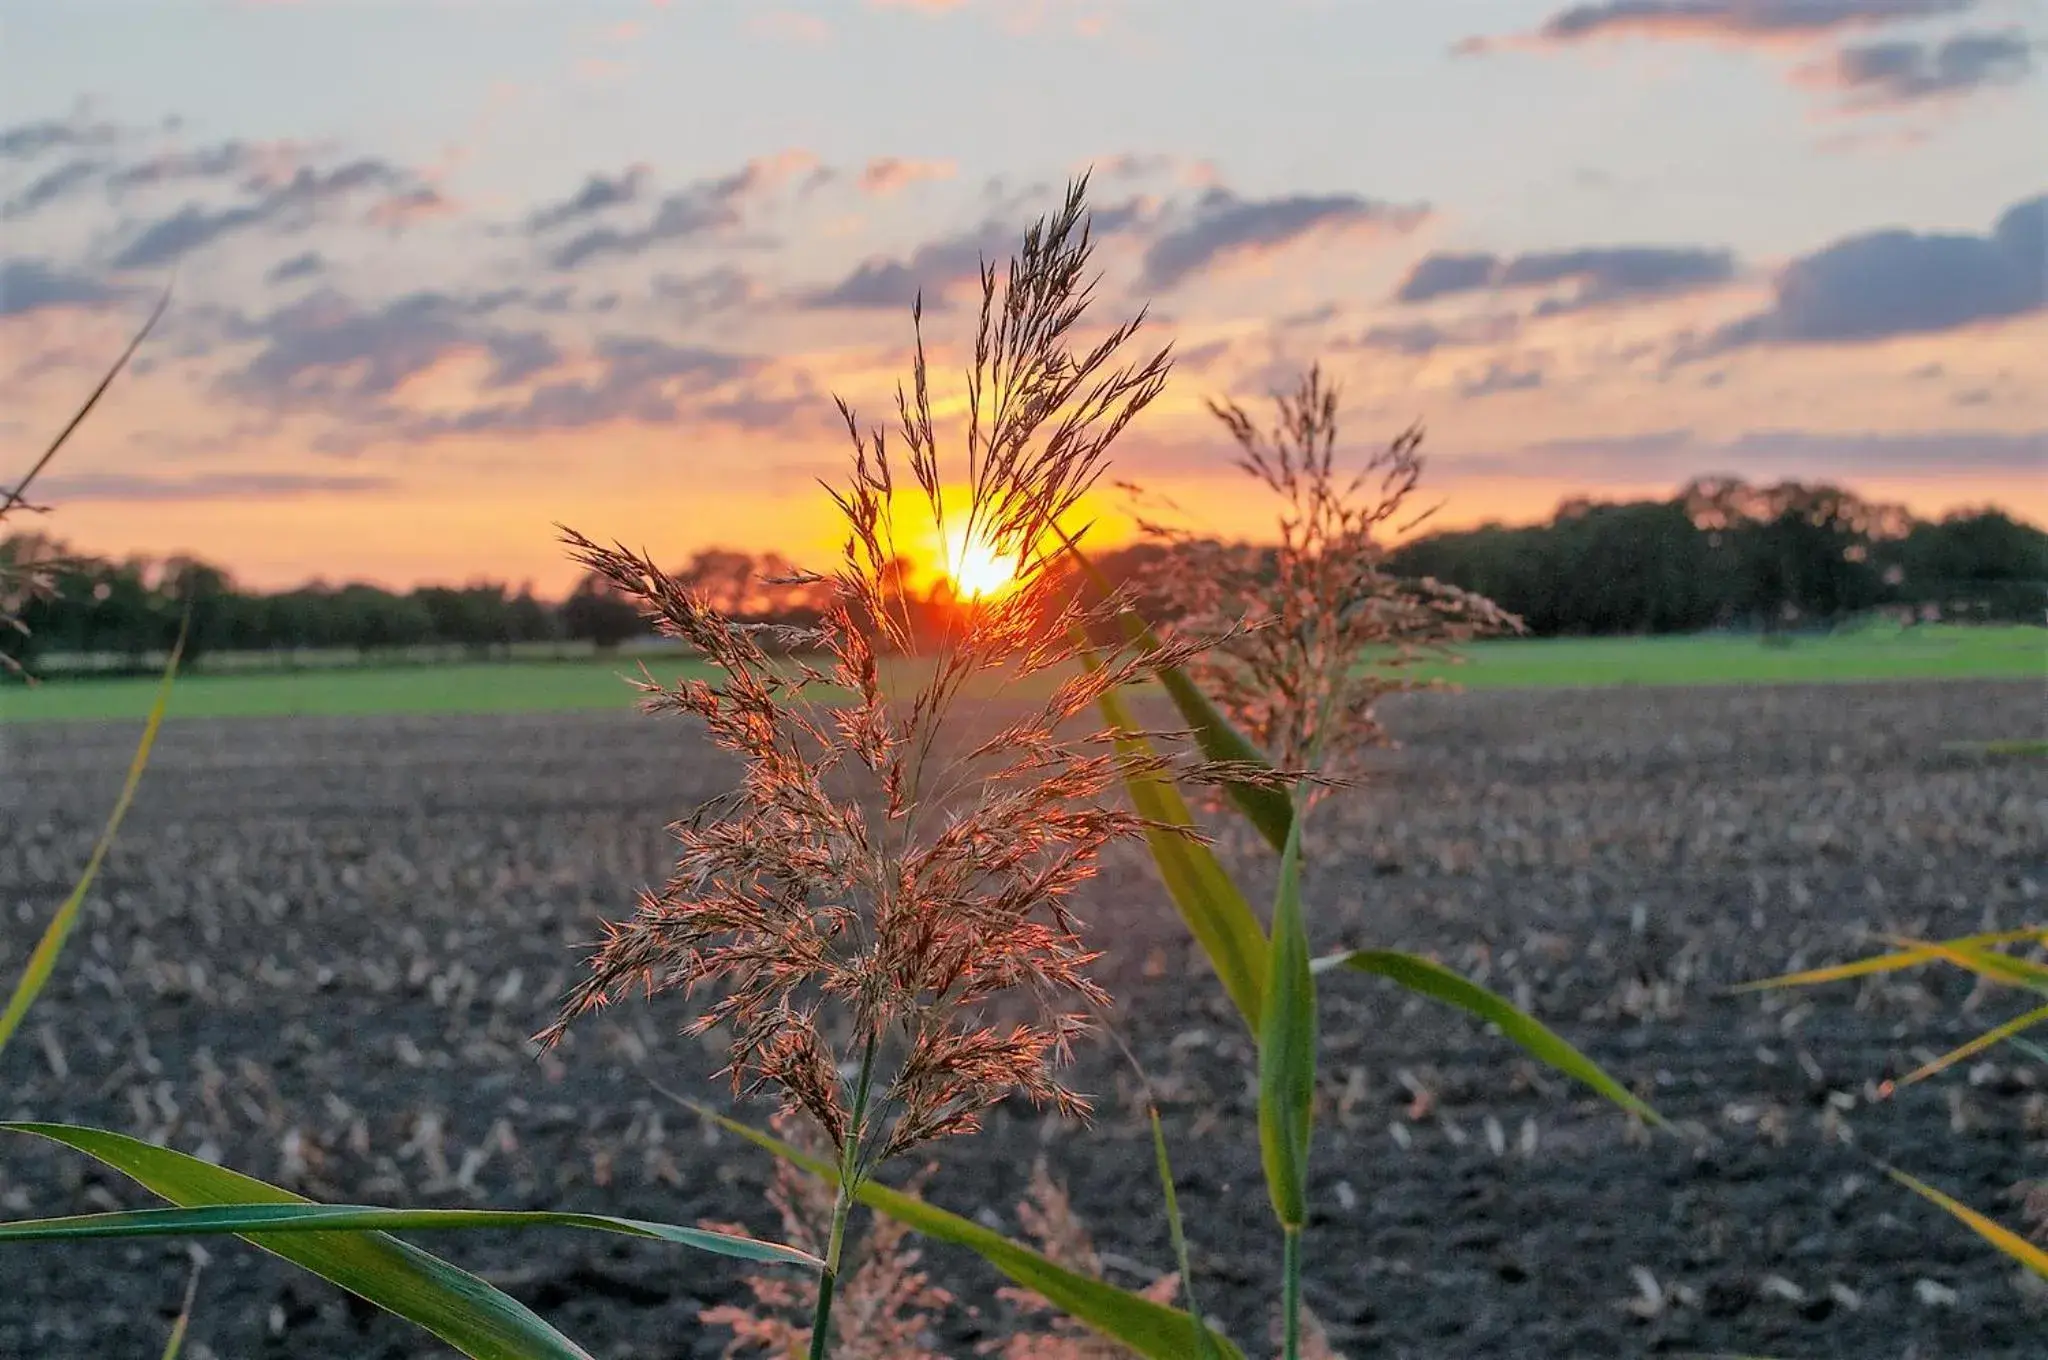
1725 554
1719 554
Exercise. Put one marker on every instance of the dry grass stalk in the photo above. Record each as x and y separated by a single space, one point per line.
1288 630
28 562
879 875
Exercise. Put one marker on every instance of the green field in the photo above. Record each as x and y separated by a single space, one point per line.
1927 652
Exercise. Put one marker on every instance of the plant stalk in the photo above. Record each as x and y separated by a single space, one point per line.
1290 1293
842 1203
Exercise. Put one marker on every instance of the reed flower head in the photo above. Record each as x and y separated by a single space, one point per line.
1299 641
887 874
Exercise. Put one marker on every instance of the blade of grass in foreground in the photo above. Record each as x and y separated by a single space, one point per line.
1997 1034
1428 978
268 1218
1287 1081
456 1306
1893 962
44 958
175 1343
1216 913
1178 1234
1982 960
2006 1240
1151 1329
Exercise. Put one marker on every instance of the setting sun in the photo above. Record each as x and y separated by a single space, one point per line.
977 569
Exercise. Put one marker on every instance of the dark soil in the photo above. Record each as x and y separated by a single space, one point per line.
319 947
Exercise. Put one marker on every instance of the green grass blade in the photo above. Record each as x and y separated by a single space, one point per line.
1893 962
1426 977
174 1344
290 1218
456 1306
2023 747
1152 1330
1997 1034
44 959
1287 1047
1984 961
1269 810
1216 913
2006 1240
1178 1232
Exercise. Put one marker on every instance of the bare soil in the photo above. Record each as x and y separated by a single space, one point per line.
320 945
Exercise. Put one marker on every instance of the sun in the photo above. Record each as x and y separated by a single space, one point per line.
976 569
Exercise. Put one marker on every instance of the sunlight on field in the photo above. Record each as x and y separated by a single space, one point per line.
1927 653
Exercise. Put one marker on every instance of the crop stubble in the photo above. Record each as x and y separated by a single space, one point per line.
320 945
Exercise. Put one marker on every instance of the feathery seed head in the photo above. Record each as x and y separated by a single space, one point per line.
887 875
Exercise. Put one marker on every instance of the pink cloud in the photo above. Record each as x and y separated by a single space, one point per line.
887 174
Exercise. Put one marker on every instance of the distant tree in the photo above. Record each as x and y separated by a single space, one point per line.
722 577
1976 562
599 613
474 617
529 620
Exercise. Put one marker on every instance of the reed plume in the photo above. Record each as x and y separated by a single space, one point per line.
887 878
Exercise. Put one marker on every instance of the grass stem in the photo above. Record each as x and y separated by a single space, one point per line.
842 1204
1290 1294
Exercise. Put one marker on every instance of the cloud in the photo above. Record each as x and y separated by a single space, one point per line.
1890 283
330 355
887 174
206 486
597 194
225 160
301 266
1677 453
1440 275
638 378
1500 376
1890 75
1419 338
1726 21
26 140
935 267
325 351
33 285
408 207
1602 275
54 184
715 290
297 200
1226 227
702 208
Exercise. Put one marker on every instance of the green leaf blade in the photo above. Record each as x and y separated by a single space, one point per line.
454 1305
1425 977
269 1219
42 961
1997 1234
1207 899
1287 1047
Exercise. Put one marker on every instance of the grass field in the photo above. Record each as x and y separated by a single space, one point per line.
1869 654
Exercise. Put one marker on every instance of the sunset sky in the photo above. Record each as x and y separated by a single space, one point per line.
448 273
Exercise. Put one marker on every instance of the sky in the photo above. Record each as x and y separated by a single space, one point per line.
447 275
